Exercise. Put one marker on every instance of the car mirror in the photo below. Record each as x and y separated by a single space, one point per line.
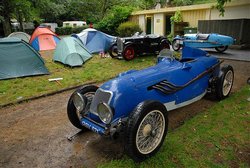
186 66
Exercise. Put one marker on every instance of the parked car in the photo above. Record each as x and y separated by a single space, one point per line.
129 47
217 41
137 102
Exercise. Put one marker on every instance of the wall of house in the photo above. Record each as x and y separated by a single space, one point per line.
159 24
237 9
193 16
142 22
236 12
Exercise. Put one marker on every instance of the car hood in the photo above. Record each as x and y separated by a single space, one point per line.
136 79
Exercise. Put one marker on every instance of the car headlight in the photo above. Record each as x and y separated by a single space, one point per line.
105 113
79 101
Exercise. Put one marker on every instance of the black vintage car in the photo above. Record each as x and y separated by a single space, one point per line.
129 47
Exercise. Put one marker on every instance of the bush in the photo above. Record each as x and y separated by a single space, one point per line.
128 29
69 30
113 19
182 2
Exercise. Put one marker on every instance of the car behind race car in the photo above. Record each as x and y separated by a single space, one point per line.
129 47
217 41
137 102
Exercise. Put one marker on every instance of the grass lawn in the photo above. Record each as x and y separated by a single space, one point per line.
96 70
218 137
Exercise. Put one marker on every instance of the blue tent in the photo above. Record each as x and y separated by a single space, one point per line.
95 41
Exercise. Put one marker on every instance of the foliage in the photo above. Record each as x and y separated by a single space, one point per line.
176 18
213 138
170 36
182 2
220 6
114 18
96 69
128 29
69 30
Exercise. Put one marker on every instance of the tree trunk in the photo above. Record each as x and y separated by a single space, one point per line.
6 26
104 8
6 17
20 20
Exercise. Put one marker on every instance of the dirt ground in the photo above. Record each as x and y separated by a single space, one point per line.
34 134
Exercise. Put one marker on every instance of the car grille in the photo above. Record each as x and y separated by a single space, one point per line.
100 96
119 45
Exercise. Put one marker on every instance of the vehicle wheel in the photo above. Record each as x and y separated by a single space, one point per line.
221 49
129 53
146 130
224 83
164 45
176 46
74 115
248 81
113 52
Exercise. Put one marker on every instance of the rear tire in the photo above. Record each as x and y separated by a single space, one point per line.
129 53
224 83
164 45
74 115
221 49
146 130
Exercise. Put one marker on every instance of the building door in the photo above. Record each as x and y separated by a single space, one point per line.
168 25
149 23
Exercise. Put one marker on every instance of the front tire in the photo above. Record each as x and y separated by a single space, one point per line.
146 130
225 82
74 115
176 46
113 52
221 49
129 53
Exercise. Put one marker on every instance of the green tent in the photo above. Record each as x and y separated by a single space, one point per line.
18 59
70 51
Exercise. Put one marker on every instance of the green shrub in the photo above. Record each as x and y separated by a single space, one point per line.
113 19
69 30
128 29
182 2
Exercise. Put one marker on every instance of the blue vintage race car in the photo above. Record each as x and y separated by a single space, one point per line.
217 41
137 101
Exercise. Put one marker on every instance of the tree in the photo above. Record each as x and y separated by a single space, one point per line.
5 7
116 16
220 6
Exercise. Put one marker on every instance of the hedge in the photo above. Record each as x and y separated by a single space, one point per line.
69 30
128 29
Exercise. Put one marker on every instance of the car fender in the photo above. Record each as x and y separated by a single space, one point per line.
178 38
131 43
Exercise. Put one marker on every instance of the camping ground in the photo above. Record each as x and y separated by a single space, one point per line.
33 134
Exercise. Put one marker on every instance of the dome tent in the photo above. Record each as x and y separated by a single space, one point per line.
43 39
95 41
18 59
21 35
70 51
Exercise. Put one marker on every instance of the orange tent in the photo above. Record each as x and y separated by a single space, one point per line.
43 39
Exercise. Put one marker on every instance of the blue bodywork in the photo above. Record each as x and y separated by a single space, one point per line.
206 40
187 81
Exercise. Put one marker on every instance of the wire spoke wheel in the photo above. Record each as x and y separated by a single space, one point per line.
221 49
175 45
150 132
129 53
227 83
